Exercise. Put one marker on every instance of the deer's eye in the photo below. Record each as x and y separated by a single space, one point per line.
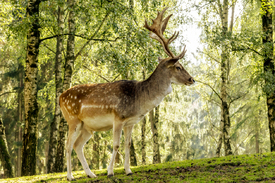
178 68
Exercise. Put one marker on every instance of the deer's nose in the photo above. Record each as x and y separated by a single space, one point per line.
192 80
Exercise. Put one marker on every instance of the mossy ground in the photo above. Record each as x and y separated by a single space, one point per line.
243 168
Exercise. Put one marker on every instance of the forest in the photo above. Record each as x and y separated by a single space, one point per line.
48 46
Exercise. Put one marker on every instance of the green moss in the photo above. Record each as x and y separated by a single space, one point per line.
243 168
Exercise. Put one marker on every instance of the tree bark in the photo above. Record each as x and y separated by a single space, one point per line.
225 117
104 158
154 118
133 158
4 153
20 118
69 64
220 140
30 90
257 139
143 144
269 68
96 151
58 92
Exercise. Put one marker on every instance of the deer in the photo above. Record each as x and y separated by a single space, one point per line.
119 105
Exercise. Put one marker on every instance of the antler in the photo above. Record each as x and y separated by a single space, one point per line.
156 32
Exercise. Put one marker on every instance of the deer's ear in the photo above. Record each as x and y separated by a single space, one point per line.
171 62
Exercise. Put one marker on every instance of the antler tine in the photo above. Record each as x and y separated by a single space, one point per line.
154 36
181 55
164 23
157 30
173 37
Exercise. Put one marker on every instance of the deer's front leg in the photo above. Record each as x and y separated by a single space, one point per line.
117 129
127 133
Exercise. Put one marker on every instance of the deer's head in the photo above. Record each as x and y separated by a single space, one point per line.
171 65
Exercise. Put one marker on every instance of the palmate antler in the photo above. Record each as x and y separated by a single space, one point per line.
156 32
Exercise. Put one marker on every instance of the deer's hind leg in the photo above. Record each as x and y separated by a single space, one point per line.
75 126
127 134
117 129
78 147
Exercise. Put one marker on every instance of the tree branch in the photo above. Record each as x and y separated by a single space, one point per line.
238 97
7 93
99 27
96 74
211 88
210 56
77 35
48 48
248 48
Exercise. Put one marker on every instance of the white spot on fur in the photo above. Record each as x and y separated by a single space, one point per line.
79 101
73 104
75 97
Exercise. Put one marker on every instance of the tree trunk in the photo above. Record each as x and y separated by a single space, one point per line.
60 150
269 67
58 90
20 118
225 118
257 139
154 122
30 90
96 151
133 158
69 64
105 157
220 140
4 154
143 144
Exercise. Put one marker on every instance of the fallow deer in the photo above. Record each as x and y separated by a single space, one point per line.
121 104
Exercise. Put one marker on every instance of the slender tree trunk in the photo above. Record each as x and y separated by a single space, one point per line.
96 151
58 90
46 155
220 140
104 158
154 122
4 154
133 158
143 144
257 140
225 118
69 64
30 90
269 68
20 119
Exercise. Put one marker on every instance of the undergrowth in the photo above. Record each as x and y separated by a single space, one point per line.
242 168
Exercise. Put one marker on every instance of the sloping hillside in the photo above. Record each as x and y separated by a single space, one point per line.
243 168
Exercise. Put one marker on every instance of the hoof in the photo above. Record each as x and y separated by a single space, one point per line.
89 176
70 180
129 174
111 175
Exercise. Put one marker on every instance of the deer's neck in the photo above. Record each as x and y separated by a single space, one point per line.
153 90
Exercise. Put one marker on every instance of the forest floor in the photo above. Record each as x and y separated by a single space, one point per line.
242 168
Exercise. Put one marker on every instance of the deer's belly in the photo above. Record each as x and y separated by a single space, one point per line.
98 123
133 120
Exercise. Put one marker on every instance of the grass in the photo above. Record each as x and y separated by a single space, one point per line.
242 168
